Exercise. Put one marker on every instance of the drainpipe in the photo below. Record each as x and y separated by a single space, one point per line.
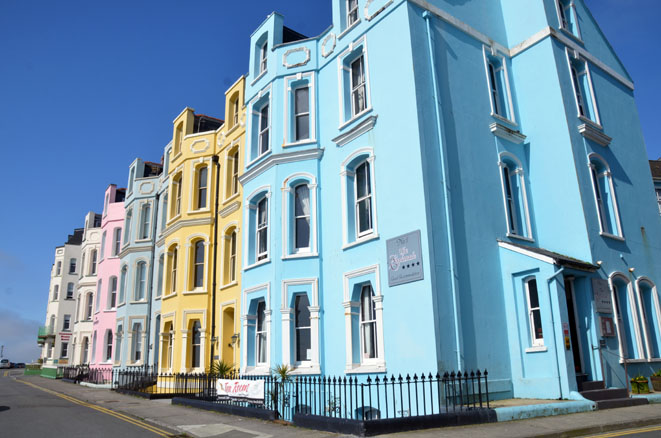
216 162
446 192
555 343
151 279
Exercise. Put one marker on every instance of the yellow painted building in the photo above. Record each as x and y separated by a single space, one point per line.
198 310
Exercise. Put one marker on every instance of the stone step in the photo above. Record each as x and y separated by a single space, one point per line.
591 385
605 394
621 402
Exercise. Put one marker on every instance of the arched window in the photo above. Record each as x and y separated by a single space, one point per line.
108 356
140 281
230 256
233 167
368 323
515 200
178 138
363 199
112 293
650 317
302 218
604 196
234 109
196 345
261 338
176 193
626 318
122 284
303 328
202 187
198 266
359 197
262 229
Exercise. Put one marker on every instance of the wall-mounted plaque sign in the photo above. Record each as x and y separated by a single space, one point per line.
404 259
607 327
603 302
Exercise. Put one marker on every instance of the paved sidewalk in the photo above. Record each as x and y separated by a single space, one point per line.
204 424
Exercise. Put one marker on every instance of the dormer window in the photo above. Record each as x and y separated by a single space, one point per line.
263 54
179 138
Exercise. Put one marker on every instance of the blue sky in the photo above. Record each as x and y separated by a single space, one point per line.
85 87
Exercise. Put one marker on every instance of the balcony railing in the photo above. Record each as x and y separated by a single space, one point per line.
46 331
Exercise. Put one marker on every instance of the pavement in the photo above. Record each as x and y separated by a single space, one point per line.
204 424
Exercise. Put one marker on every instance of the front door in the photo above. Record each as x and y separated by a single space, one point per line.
573 325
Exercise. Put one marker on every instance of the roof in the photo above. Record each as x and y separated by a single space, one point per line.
76 238
655 167
556 258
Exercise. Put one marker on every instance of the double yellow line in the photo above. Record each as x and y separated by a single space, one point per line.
628 432
123 417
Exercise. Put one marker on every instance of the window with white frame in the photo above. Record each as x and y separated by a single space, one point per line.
118 344
302 218
301 113
650 316
359 197
112 293
131 178
82 270
198 264
534 313
230 256
145 220
140 281
352 12
117 241
264 129
586 103
262 230
176 191
108 343
99 286
58 269
499 87
56 292
159 280
72 266
164 212
568 17
103 245
66 323
263 57
136 342
85 350
127 226
201 187
173 269
64 351
178 138
354 75
261 337
363 200
604 196
105 204
234 104
70 291
658 198
358 91
626 318
90 303
303 328
368 323
93 348
234 176
123 283
515 199
93 262
196 345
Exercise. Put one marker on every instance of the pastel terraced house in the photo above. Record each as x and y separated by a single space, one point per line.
112 221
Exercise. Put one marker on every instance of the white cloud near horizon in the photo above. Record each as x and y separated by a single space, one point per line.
19 337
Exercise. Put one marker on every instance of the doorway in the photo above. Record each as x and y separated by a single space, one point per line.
573 326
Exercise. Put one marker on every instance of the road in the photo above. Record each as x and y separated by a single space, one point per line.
29 411
641 432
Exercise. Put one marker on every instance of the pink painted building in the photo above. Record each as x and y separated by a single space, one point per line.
112 222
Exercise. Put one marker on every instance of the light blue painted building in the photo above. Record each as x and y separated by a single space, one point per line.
137 306
506 134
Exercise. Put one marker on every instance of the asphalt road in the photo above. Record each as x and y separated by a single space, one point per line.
27 411
641 432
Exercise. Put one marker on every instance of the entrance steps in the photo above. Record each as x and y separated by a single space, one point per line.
608 398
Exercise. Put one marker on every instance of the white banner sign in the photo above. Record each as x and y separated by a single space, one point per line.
247 390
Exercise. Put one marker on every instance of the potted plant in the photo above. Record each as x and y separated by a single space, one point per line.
656 381
639 385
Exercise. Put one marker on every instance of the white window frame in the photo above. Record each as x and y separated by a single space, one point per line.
602 211
347 172
262 148
579 98
346 88
123 284
368 197
534 340
103 245
563 20
502 72
508 203
357 88
198 187
657 191
117 242
293 83
127 226
289 249
618 317
263 57
140 283
112 291
364 323
144 233
290 289
261 229
254 294
646 319
261 337
99 289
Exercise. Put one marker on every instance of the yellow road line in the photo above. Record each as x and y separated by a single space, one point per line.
118 415
628 432
6 373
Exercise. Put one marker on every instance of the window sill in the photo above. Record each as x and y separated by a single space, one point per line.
139 302
507 133
257 371
259 76
173 219
299 143
259 263
611 236
348 29
595 134
591 122
231 198
259 158
194 292
143 240
175 157
623 361
232 129
504 119
114 309
354 118
304 370
157 298
360 241
538 349
167 297
228 285
198 211
366 369
121 305
571 34
518 237
300 255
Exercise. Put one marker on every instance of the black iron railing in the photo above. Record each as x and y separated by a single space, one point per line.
364 397
83 373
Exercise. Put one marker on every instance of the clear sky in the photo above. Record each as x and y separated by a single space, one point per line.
85 87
